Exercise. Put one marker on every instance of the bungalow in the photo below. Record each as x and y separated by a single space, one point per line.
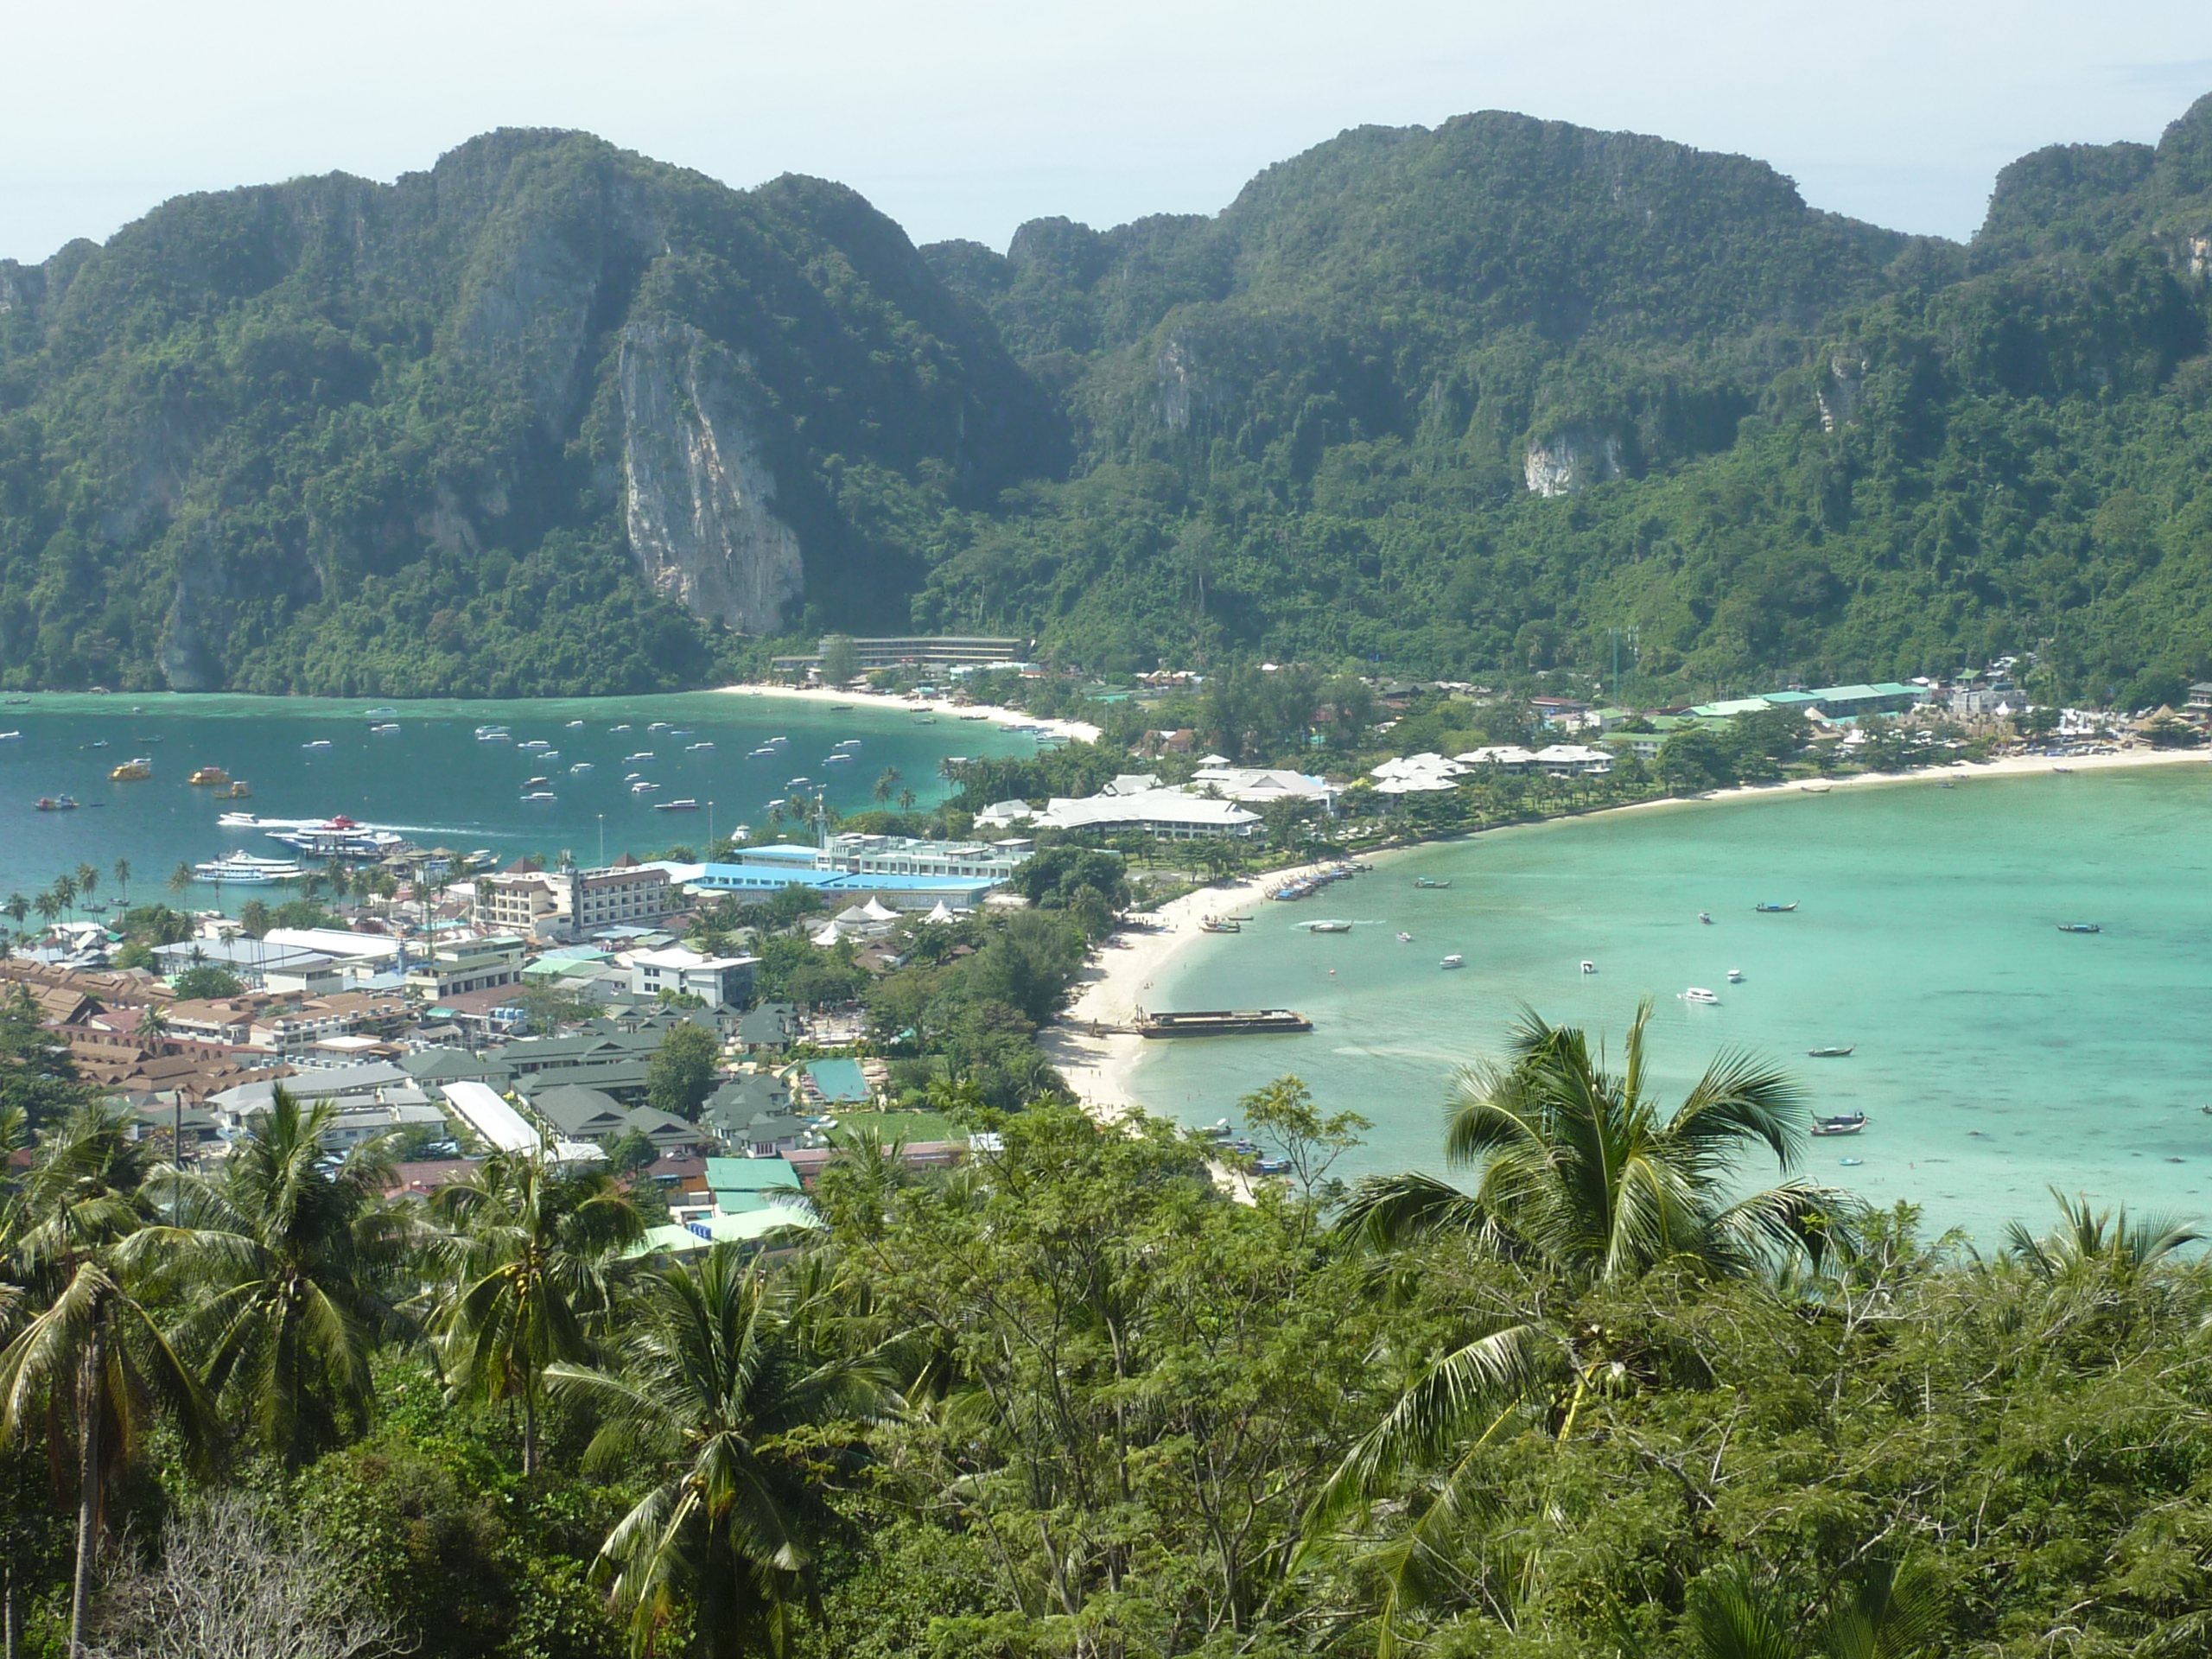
1574 761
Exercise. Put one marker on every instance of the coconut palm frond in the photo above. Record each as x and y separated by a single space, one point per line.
1386 1212
1732 1615
1895 1611
1741 1099
1469 1388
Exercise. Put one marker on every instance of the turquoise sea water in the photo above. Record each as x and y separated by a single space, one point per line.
1996 1055
431 778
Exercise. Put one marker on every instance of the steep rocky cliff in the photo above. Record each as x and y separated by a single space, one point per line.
337 435
700 494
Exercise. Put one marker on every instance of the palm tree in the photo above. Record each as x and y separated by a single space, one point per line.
281 1267
886 781
123 878
91 1363
2096 1243
1584 1180
17 909
529 1252
153 1022
905 800
49 905
88 881
720 1366
180 877
65 889
1581 1170
1894 1611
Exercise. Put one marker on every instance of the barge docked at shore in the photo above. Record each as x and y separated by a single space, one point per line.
1221 1022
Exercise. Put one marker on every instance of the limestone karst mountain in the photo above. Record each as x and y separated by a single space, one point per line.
553 416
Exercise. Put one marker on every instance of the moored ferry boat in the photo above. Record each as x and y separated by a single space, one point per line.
245 870
214 775
338 836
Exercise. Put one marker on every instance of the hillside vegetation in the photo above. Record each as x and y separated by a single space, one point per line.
552 416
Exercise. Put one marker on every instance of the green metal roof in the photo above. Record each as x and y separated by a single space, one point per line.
751 1174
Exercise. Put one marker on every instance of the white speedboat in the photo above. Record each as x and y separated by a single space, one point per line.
698 748
573 724
632 759
319 743
1455 960
1327 927
1699 995
658 726
1589 967
581 767
645 789
1735 976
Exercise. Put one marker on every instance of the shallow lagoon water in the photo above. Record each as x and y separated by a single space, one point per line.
430 779
1996 1056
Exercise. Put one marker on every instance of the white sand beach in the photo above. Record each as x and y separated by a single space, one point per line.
1119 982
1077 731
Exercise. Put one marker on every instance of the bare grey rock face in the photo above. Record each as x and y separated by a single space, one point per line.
701 494
1570 459
1838 393
536 286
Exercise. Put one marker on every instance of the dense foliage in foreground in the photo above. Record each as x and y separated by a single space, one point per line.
1074 1399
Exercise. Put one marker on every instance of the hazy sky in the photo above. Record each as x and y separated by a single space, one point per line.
965 118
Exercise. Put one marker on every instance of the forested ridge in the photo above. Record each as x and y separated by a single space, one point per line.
1460 400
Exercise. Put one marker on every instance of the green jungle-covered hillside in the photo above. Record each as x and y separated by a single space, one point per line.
553 416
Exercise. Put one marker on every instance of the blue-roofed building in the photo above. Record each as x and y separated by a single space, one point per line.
902 892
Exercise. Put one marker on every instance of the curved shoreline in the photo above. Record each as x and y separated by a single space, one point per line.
1098 1067
1080 731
